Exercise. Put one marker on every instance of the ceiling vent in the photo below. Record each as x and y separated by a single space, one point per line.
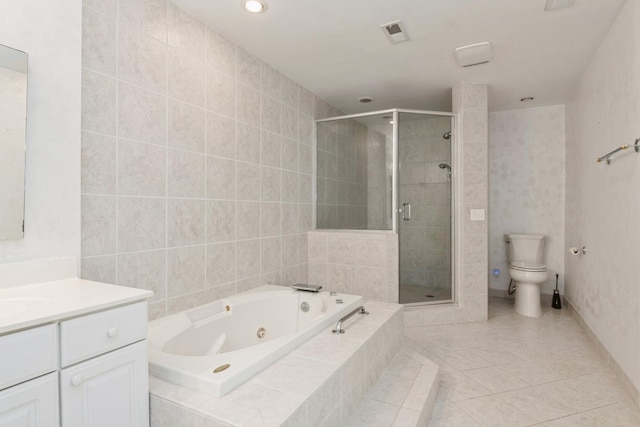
394 32
558 4
473 54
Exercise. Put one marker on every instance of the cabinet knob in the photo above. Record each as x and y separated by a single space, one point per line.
112 332
76 380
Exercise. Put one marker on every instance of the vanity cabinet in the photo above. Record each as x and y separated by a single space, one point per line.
31 404
104 375
107 391
100 378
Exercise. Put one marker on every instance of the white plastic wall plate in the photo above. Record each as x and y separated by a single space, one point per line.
477 214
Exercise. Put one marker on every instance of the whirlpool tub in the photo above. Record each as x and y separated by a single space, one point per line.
217 346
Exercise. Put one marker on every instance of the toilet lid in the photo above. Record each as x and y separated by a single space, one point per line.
528 266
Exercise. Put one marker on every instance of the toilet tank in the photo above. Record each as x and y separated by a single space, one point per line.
524 247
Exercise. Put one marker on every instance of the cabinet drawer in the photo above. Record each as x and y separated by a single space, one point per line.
88 336
27 354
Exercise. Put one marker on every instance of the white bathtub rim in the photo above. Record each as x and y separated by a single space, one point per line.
193 371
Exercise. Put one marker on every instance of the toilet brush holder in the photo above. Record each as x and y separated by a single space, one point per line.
555 302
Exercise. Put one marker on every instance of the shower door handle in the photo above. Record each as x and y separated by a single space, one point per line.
406 211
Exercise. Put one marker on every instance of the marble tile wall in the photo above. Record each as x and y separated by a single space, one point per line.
341 175
196 158
526 183
602 204
355 262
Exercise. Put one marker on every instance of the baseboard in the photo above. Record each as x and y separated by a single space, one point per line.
611 362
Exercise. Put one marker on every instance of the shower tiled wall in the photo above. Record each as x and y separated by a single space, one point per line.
425 240
196 158
379 147
471 192
342 175
355 262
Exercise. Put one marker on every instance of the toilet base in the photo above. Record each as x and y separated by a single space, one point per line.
528 299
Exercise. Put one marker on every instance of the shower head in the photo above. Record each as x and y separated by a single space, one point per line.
447 135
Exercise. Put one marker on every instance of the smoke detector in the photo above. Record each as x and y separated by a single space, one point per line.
394 32
473 54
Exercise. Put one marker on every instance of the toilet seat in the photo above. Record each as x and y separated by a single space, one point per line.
528 266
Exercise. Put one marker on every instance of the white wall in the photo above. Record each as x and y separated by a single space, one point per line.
603 202
526 186
50 32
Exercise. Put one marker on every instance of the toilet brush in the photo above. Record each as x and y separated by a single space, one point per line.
555 303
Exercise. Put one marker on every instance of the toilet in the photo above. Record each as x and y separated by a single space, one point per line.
524 255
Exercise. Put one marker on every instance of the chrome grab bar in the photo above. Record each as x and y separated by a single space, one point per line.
359 310
607 157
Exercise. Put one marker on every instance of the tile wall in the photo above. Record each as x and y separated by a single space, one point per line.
342 175
196 158
471 192
425 239
379 163
355 262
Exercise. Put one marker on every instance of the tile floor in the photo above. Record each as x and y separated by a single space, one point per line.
514 371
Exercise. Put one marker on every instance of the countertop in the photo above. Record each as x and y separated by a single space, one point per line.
32 305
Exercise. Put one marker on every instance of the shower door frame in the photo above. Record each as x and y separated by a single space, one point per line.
455 186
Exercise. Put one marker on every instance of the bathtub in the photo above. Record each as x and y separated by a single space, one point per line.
217 346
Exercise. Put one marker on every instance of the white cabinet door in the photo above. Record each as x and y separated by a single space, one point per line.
31 404
107 391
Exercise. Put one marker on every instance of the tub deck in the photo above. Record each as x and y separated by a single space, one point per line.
324 382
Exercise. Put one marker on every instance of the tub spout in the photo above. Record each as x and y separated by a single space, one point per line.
359 310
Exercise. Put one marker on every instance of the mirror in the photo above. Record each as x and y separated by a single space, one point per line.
13 117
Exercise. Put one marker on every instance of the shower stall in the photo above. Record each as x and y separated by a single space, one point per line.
394 170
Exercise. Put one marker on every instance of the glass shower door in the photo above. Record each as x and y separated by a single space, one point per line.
425 208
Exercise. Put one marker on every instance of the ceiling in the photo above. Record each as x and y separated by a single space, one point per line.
335 48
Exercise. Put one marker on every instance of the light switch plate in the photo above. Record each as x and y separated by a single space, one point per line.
477 214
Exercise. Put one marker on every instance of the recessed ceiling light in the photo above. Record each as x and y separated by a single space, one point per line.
254 6
365 99
527 99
